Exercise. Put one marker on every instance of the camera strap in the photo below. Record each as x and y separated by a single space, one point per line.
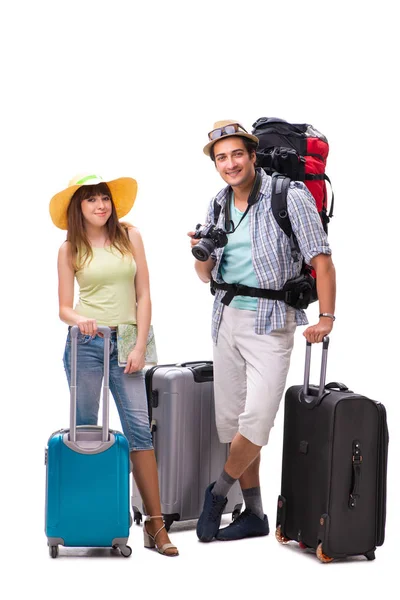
253 198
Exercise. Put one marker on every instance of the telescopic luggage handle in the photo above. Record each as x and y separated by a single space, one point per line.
106 331
312 399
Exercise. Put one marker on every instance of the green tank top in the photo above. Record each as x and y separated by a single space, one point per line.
107 288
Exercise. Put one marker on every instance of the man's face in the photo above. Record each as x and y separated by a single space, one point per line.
233 162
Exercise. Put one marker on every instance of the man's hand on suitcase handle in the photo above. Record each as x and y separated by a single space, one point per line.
316 333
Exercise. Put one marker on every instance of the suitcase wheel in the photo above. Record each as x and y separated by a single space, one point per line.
126 551
137 517
53 551
281 538
168 520
236 512
323 557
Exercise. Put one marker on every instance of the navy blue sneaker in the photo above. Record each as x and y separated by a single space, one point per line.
210 519
246 525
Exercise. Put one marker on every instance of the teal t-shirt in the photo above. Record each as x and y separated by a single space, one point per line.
236 265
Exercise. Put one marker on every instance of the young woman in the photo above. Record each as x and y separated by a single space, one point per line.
108 260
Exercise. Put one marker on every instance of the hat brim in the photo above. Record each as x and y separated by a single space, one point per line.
123 191
208 147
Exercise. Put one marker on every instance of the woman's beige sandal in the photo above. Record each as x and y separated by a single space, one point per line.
150 540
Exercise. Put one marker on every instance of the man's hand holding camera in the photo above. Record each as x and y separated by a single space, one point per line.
207 238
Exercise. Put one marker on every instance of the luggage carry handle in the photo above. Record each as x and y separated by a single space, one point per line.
195 362
336 385
106 331
202 371
309 396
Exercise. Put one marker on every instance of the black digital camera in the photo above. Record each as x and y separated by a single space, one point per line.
210 238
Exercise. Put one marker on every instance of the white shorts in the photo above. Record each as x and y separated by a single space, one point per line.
250 373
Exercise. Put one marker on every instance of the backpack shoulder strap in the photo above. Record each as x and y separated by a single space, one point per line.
280 187
279 192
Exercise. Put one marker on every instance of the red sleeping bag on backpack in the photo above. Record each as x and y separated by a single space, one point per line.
297 151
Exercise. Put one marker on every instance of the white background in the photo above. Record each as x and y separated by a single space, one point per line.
129 89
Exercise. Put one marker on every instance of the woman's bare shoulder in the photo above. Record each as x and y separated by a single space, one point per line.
65 250
134 234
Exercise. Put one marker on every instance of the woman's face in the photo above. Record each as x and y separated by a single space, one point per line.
97 209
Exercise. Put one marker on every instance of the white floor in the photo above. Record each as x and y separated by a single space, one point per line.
260 567
257 567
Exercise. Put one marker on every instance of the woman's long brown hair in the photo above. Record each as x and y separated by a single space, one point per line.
80 245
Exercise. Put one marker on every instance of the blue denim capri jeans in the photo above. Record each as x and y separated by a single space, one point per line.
128 391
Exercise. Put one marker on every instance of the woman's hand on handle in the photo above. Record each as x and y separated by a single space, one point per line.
87 326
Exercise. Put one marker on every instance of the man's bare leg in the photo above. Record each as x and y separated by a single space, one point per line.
241 456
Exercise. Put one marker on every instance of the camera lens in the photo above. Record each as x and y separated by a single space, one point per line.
203 249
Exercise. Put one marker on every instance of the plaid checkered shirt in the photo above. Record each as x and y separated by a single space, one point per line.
272 258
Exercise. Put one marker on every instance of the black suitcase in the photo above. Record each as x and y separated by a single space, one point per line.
334 463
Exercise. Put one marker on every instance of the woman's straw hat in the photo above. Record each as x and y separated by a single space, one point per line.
123 191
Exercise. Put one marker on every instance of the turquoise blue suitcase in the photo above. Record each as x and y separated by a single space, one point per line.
87 478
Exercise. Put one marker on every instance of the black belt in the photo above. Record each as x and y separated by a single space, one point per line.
237 289
297 292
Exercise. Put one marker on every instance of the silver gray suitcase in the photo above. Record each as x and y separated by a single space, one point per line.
188 451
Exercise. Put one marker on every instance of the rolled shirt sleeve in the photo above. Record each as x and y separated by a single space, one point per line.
306 222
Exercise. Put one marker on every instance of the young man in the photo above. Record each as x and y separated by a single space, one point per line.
252 335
